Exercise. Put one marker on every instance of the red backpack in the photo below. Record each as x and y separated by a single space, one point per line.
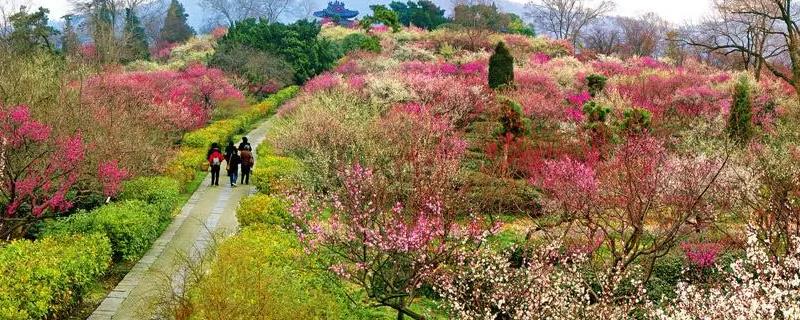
215 158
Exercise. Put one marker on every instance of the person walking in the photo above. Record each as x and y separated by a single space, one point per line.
230 149
247 163
233 167
215 159
245 145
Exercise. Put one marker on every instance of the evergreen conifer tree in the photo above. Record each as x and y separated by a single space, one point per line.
69 38
136 46
175 28
740 119
501 67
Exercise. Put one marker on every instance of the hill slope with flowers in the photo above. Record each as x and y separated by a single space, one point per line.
591 186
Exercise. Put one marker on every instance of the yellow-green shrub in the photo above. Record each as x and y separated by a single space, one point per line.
45 277
130 225
274 174
262 208
263 273
161 192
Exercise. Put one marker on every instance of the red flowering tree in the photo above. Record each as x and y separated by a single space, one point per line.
38 170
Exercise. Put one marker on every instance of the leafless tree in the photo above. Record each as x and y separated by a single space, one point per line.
7 9
230 11
152 14
603 38
565 19
642 35
762 33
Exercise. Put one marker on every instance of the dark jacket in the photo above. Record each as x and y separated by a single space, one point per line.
245 146
228 151
233 163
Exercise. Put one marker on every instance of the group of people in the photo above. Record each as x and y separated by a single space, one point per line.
235 158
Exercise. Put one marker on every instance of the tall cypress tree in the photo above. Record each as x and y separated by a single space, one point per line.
69 38
135 47
740 127
501 67
175 27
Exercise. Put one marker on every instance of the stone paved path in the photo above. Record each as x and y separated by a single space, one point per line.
209 210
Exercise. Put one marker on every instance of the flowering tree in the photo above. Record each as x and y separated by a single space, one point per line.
383 246
547 284
38 171
391 225
640 202
757 287
769 189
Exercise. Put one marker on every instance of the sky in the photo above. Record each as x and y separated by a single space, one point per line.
676 11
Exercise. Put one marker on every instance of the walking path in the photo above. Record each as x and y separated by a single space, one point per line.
209 210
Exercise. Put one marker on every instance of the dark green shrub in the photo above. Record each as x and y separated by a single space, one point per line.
262 208
596 83
259 68
423 13
359 41
381 14
596 112
41 279
295 43
513 119
740 126
501 67
161 192
131 226
636 120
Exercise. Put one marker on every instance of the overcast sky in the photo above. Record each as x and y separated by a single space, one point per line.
676 11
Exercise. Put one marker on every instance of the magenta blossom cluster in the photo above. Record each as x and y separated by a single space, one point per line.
702 254
111 176
39 170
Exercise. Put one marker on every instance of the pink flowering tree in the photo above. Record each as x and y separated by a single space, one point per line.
384 246
38 171
393 222
640 202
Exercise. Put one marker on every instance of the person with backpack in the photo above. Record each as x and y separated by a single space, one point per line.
233 167
247 163
245 145
229 150
215 159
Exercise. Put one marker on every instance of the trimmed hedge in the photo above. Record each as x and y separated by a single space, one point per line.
161 192
130 225
275 174
262 208
45 277
222 130
263 273
196 143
